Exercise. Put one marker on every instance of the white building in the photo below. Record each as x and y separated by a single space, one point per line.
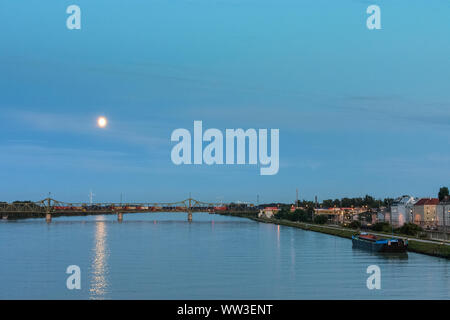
268 212
443 214
402 210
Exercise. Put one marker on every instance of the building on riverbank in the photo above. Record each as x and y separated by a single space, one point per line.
340 215
383 215
424 212
443 215
268 212
402 210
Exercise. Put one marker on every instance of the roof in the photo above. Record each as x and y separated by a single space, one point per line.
404 200
427 202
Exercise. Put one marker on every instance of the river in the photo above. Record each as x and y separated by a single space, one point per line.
162 256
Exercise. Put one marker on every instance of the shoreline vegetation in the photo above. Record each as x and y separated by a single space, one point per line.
431 247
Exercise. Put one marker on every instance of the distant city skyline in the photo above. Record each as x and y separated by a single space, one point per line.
358 111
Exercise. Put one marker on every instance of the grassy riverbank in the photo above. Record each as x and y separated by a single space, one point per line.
310 227
433 249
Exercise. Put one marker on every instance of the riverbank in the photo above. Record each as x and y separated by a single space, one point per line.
430 248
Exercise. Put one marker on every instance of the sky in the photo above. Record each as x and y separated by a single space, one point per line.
359 111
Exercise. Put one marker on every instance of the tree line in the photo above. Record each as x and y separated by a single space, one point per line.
367 200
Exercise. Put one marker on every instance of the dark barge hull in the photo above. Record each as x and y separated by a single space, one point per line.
394 246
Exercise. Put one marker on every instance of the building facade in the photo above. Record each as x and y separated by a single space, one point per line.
340 215
402 211
268 212
424 212
443 215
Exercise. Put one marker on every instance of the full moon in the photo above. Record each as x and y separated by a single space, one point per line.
102 122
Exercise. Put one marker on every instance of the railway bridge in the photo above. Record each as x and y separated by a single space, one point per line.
50 207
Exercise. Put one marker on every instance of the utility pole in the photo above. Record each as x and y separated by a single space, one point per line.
296 198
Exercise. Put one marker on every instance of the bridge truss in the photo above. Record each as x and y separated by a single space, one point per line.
49 207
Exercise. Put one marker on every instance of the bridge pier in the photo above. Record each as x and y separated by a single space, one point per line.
189 216
48 210
120 216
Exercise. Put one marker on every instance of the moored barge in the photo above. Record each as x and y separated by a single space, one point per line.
376 244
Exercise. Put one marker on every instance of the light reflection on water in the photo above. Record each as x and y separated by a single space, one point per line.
99 283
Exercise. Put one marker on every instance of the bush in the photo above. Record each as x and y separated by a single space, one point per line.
355 225
297 215
320 219
382 226
410 229
423 235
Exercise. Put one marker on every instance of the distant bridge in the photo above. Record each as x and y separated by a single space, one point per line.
50 207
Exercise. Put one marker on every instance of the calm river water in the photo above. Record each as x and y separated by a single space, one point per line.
162 256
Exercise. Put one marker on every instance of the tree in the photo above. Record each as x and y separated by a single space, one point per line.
388 202
443 193
382 226
369 201
297 215
327 203
355 224
346 202
409 229
320 219
337 203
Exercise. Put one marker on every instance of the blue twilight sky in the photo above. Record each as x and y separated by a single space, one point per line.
359 111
